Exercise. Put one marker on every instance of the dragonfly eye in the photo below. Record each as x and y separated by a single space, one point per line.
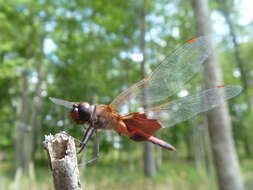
84 112
75 108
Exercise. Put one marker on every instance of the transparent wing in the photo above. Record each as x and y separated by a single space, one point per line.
184 108
62 102
168 77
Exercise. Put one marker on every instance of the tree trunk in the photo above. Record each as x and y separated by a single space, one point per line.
207 148
149 161
158 156
37 110
22 127
148 156
244 77
63 161
219 124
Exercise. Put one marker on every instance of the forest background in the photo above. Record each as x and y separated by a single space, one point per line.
91 51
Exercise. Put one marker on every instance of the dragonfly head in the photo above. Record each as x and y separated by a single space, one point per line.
81 113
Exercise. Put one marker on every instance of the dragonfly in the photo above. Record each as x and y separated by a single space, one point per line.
166 80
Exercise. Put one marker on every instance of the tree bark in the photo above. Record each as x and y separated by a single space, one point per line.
22 127
240 64
37 109
219 123
207 148
148 156
63 161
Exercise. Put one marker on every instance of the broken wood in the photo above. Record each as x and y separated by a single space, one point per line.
63 161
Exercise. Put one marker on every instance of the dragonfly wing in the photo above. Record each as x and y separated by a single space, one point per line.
170 76
184 108
62 102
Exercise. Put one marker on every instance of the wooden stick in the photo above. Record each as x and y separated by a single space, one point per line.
63 162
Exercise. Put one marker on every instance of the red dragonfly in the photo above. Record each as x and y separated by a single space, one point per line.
166 80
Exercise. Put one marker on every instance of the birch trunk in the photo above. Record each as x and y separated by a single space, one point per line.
22 127
224 6
148 156
219 124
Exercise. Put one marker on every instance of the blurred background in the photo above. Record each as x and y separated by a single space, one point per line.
92 50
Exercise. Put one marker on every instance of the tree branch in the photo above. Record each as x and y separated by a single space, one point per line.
63 162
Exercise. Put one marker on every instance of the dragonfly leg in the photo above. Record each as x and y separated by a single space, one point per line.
84 136
96 156
88 134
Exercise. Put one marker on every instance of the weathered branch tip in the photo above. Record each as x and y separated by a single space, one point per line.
63 161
